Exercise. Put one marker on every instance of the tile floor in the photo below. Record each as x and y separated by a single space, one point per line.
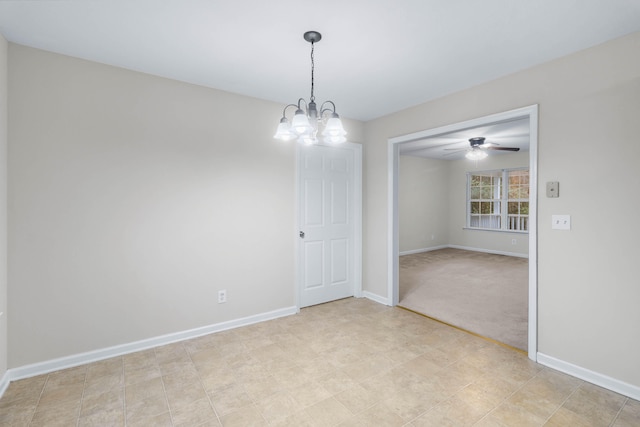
348 363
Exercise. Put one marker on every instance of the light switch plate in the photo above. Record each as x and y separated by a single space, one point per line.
561 222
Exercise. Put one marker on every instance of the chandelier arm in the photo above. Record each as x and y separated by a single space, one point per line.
284 111
301 101
332 110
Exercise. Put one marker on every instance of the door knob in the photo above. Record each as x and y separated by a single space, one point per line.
302 234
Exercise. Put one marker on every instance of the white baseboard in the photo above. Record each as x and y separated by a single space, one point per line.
596 378
419 251
466 248
4 383
489 251
376 298
119 350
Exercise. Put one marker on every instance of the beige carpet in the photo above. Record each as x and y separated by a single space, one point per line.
482 293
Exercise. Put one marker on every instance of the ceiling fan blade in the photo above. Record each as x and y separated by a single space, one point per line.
455 149
503 148
451 153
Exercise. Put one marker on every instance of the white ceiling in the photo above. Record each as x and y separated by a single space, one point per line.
376 56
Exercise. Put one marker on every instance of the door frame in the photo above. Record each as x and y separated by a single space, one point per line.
530 112
357 222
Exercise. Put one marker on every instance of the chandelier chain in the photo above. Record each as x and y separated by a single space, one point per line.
312 70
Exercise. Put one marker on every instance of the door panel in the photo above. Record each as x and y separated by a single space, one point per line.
327 221
313 202
339 203
339 261
313 255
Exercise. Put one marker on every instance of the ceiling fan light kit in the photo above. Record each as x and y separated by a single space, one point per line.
476 154
307 120
478 147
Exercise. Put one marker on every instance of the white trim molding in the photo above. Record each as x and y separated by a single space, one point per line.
119 350
489 251
376 298
466 248
419 251
4 383
596 378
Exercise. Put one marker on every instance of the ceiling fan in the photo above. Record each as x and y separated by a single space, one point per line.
478 147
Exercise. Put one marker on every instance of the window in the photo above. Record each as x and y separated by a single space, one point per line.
498 200
518 200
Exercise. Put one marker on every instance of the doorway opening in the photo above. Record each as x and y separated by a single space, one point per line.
428 139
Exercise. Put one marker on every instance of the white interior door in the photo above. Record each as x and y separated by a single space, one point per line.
328 249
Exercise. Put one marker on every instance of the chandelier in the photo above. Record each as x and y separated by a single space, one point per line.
307 120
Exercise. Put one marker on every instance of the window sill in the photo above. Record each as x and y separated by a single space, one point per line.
496 231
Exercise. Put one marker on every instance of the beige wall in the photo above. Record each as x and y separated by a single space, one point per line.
3 204
588 130
133 199
423 208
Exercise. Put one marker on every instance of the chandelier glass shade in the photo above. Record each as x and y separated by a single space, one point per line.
307 120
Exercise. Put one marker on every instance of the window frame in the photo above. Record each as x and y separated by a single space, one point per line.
503 200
